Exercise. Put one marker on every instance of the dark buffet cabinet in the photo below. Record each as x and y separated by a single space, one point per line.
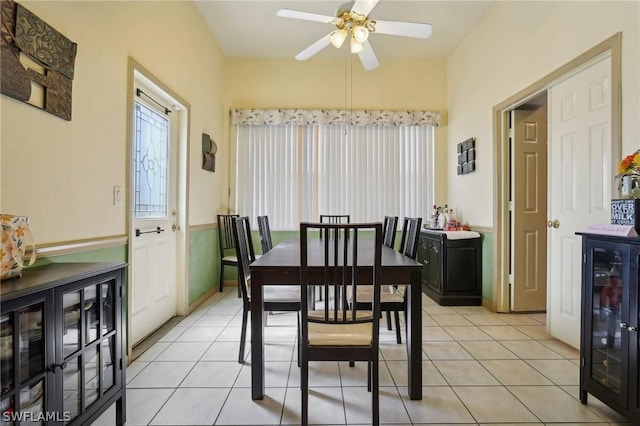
452 266
62 344
609 350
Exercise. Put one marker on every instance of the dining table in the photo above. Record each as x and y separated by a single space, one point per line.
281 266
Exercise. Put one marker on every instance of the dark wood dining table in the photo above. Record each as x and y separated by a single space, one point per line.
281 266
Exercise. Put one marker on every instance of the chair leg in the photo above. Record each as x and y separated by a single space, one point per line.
388 320
375 395
239 284
304 387
299 338
369 376
397 318
243 335
221 277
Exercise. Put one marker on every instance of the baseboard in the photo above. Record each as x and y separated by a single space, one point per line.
487 304
200 300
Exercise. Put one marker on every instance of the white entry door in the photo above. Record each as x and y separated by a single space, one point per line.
580 175
153 201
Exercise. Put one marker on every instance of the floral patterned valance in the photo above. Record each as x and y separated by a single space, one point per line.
254 117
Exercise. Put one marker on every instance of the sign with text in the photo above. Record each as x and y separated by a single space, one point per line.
616 230
626 212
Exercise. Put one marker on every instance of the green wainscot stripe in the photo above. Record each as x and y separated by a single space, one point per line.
109 254
487 265
204 262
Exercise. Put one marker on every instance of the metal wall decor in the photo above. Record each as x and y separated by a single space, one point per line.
23 33
209 149
467 156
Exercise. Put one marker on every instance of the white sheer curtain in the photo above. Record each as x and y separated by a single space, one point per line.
295 172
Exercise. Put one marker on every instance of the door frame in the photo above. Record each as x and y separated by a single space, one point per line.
502 160
183 109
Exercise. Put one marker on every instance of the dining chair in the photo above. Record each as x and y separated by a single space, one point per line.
393 297
389 227
338 331
265 233
227 245
276 297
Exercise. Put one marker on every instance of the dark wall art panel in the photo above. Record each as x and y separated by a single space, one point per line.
51 55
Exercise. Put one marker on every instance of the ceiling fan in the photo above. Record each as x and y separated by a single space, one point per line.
352 21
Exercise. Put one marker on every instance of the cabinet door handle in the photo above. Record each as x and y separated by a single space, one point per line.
632 329
624 325
55 367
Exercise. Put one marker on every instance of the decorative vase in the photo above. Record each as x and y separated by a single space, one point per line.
629 186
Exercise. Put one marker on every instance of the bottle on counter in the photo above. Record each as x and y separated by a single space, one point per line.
433 222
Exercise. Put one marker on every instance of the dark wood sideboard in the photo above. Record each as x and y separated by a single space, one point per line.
62 344
452 266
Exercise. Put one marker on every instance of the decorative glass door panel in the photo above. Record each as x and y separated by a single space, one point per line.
151 163
32 401
91 313
7 405
71 387
91 375
31 341
71 322
108 311
107 361
606 349
6 354
88 345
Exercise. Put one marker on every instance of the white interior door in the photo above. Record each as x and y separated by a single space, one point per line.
153 202
580 176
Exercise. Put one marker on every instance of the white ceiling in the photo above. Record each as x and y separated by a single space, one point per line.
251 29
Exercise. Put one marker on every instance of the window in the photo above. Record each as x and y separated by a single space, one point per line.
150 162
296 171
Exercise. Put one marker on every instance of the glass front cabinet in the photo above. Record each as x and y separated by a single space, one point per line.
610 319
62 344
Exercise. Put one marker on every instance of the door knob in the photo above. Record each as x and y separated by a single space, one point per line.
553 224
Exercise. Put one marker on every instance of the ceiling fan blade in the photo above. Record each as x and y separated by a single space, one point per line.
314 48
364 7
405 29
368 57
296 14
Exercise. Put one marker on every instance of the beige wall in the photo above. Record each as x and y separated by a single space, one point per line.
316 83
62 173
515 45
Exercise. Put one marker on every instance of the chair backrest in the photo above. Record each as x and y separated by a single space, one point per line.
389 230
334 218
241 233
342 269
225 233
265 233
410 236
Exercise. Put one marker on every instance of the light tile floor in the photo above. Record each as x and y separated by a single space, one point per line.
478 368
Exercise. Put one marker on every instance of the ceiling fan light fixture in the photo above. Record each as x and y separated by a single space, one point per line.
338 37
356 46
360 33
